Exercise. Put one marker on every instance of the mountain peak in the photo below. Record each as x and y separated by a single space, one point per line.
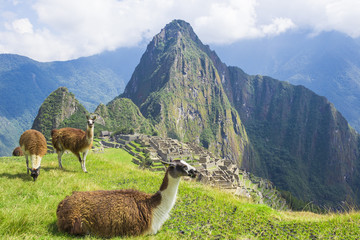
178 26
173 32
174 42
60 108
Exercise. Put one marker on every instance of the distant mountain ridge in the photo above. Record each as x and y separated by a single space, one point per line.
327 63
25 83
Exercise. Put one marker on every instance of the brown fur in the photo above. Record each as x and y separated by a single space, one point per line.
18 152
107 213
165 182
72 139
34 142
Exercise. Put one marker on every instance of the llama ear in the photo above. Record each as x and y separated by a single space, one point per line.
167 164
87 117
94 117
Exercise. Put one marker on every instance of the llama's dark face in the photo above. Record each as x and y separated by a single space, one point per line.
180 168
90 121
34 173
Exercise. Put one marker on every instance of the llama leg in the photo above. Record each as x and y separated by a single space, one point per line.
60 153
81 162
84 159
27 163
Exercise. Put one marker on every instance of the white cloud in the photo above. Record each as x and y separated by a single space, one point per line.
227 21
344 16
64 29
278 25
21 26
319 15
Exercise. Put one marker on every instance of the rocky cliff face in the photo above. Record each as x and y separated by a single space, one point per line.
304 144
60 109
177 86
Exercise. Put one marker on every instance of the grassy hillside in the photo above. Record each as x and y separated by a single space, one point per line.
27 208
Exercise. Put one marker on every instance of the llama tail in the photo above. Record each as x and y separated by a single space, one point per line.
55 139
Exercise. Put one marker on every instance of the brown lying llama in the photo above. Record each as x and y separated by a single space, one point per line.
75 140
124 212
33 144
17 152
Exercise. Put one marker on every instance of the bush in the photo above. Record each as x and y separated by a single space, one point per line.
206 137
124 131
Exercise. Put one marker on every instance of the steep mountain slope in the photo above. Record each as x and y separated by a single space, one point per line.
121 114
60 109
304 144
328 64
25 83
177 86
330 67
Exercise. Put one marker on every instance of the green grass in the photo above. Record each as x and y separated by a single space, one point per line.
138 145
28 209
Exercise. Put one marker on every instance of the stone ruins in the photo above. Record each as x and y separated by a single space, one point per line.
217 172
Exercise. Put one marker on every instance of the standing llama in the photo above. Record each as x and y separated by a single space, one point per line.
33 144
75 140
125 212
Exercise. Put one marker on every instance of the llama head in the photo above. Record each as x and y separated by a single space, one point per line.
90 121
34 173
178 168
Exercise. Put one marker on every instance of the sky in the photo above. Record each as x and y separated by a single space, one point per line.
58 30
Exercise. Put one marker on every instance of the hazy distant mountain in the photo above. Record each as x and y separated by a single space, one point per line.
328 64
25 83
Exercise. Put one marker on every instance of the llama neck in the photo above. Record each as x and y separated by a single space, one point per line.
35 161
168 191
89 133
